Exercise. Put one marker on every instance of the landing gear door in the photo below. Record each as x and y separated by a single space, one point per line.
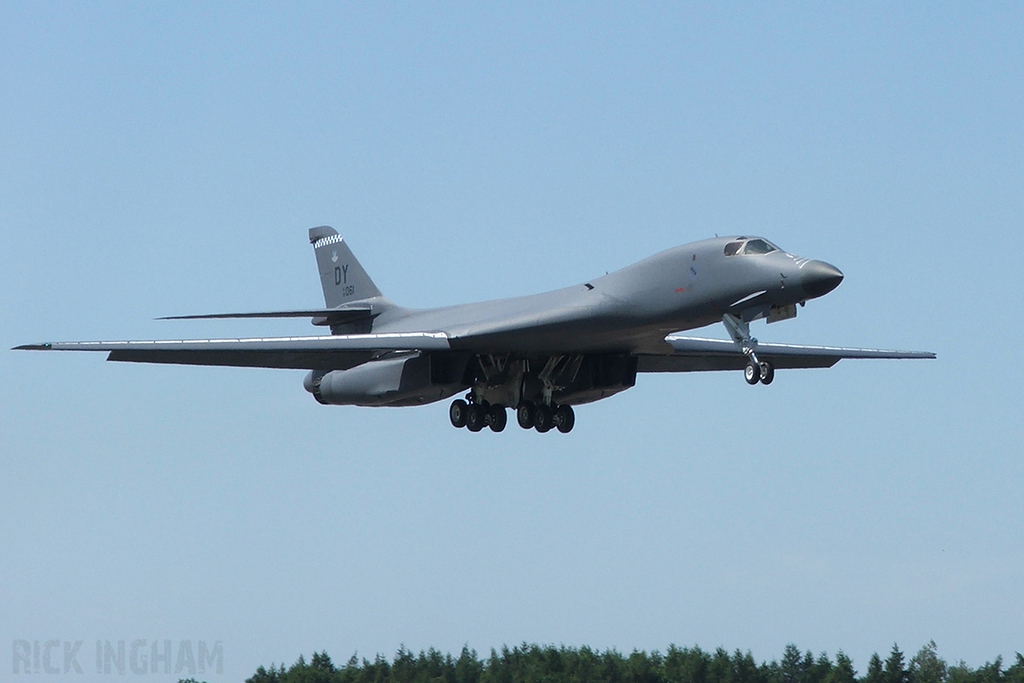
777 313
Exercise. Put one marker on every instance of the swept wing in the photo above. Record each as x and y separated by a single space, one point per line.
693 354
328 352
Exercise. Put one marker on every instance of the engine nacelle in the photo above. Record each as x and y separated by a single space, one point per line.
395 381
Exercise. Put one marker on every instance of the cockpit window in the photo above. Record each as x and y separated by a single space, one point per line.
747 246
759 246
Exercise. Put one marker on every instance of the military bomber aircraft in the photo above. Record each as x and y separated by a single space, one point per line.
541 354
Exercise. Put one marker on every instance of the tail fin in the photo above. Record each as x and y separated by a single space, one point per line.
343 279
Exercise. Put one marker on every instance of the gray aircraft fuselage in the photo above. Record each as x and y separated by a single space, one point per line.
631 309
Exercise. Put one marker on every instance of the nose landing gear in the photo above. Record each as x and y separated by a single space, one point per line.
756 370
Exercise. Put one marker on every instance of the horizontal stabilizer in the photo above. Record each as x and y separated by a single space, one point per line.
691 354
321 316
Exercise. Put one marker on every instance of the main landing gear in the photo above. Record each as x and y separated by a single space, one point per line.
476 416
543 418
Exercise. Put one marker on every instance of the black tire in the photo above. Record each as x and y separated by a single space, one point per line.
476 418
543 418
457 413
524 415
497 417
752 373
767 372
565 419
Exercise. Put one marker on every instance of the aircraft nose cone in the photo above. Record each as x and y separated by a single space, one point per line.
819 278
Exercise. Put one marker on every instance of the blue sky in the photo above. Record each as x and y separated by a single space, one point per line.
162 159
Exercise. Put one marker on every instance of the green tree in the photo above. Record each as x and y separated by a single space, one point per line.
686 665
641 669
271 675
960 673
404 668
1015 674
793 668
468 668
842 671
613 669
874 673
818 670
744 668
927 667
990 672
322 662
720 667
895 671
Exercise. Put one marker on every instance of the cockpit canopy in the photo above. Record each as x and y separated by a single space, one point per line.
747 246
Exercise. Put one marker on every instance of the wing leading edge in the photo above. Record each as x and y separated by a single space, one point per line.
328 352
694 354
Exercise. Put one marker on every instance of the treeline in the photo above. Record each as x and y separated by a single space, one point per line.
529 663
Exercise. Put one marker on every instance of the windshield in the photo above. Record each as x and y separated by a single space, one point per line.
750 246
759 246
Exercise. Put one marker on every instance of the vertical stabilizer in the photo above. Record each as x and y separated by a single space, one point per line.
343 279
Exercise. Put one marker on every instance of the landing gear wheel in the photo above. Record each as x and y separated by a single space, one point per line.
524 415
497 418
752 373
476 417
767 372
565 418
543 418
457 413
